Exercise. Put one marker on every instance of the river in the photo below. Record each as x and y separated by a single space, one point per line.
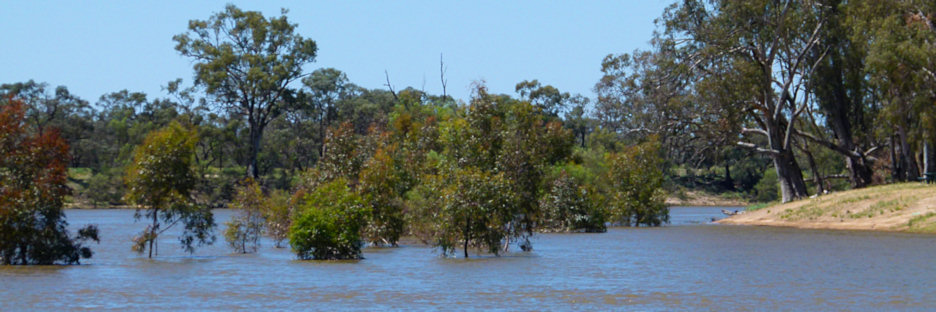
689 264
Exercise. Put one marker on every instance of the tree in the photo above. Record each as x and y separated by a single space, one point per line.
571 206
33 229
840 89
161 181
756 53
57 109
635 179
329 223
380 187
547 97
247 62
476 207
244 230
326 87
277 215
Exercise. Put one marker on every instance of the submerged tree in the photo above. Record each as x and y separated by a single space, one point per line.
161 180
247 62
32 192
475 212
244 230
571 206
277 216
329 223
635 178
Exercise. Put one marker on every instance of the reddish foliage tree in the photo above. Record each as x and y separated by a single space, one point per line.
32 192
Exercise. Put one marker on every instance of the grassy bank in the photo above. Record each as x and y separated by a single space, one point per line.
909 207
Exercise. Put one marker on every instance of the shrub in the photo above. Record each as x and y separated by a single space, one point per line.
329 223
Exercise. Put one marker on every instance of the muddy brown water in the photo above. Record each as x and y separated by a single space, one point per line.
690 264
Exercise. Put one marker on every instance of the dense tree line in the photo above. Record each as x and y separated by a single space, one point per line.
825 89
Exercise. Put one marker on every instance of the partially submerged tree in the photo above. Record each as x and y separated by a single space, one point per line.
476 208
635 178
570 206
328 224
160 182
32 192
277 216
244 230
247 62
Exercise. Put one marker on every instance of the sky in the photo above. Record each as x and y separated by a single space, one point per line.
98 47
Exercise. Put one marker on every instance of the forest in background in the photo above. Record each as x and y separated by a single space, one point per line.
758 100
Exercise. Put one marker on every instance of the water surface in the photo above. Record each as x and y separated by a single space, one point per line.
690 264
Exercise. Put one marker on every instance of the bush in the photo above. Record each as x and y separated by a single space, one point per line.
329 223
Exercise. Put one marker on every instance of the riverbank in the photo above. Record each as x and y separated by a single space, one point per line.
697 198
905 207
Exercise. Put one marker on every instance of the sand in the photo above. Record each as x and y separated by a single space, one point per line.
909 207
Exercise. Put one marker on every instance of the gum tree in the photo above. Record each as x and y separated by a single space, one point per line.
246 63
160 181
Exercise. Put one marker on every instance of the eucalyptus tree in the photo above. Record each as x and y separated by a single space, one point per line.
759 50
246 62
326 87
901 63
160 181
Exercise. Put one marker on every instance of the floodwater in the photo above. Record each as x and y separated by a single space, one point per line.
690 264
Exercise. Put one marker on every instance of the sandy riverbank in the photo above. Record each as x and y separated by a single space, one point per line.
700 198
909 207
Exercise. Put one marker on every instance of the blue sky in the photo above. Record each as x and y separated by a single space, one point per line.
97 47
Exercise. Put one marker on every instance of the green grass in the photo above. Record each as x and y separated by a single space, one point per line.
884 206
920 224
760 206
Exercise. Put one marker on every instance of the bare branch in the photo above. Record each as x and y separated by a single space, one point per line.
753 147
390 86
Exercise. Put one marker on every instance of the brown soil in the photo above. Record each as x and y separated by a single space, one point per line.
698 198
909 207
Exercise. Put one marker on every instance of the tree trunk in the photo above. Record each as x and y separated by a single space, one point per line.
152 234
253 171
820 187
896 168
467 236
909 162
792 185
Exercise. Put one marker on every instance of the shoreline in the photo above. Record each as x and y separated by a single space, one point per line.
905 207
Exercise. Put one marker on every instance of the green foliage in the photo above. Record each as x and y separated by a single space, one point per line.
571 206
238 50
635 178
380 188
160 181
106 188
766 189
329 223
244 230
33 229
277 215
475 209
